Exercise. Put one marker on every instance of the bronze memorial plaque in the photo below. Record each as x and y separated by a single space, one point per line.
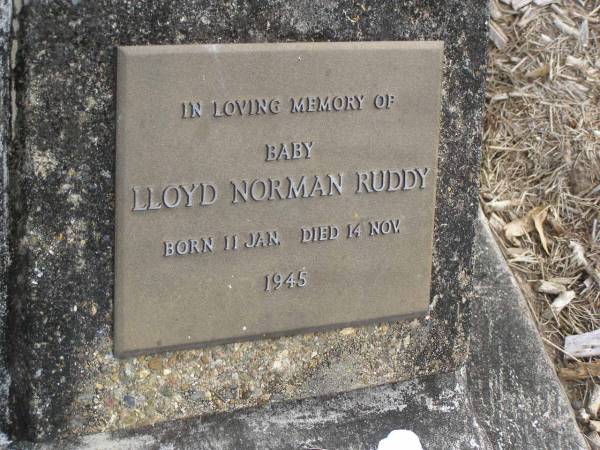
266 189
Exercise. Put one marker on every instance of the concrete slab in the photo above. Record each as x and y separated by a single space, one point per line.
507 396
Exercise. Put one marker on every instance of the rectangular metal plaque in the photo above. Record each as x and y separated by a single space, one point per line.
265 189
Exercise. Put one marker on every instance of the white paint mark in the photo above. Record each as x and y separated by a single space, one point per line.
4 440
400 440
104 441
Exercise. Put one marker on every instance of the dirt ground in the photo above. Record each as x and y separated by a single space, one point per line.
540 181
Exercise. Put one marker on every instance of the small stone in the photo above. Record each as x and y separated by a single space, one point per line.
86 398
172 361
155 364
128 371
199 396
128 421
129 401
90 102
230 392
406 341
166 391
245 391
348 331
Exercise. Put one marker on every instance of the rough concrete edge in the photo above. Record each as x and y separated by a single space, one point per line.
521 299
6 9
569 429
350 420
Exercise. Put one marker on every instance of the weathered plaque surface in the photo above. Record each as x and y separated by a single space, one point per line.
264 189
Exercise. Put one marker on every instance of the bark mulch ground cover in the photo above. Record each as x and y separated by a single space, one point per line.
540 182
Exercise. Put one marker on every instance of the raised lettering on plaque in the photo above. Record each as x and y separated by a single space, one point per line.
271 189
